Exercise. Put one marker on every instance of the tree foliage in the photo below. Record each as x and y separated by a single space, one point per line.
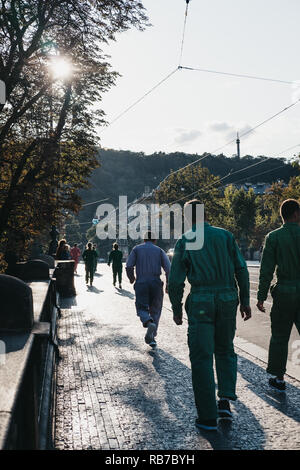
48 126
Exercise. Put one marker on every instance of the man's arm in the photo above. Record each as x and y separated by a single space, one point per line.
242 277
178 272
131 262
110 258
267 267
166 265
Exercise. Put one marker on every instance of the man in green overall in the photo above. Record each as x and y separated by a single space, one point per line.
89 257
213 272
115 257
281 252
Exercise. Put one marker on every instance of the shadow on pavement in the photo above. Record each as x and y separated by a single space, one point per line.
167 404
230 435
287 403
67 302
94 289
125 293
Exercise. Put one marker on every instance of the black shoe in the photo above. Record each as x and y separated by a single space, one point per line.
224 411
279 385
207 425
150 332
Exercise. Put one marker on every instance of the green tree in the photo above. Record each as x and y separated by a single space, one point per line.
191 183
239 213
48 127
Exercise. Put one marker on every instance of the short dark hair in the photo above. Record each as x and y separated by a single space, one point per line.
288 208
115 246
149 236
194 203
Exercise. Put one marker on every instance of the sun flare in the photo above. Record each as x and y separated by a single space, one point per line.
60 68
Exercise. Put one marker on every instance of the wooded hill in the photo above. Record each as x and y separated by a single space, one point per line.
123 172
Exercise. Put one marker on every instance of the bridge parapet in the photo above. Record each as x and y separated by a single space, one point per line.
28 353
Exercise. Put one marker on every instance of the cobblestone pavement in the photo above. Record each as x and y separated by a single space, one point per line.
114 392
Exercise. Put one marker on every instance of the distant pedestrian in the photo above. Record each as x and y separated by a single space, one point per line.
60 249
213 272
115 257
75 255
148 259
66 255
96 258
281 253
89 256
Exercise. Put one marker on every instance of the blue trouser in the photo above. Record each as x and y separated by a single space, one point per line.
149 300
212 323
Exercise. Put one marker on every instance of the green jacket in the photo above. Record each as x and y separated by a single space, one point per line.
218 264
89 257
281 252
116 258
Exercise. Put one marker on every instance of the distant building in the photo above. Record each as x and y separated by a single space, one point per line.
258 188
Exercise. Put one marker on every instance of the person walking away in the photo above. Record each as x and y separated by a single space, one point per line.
75 254
96 257
89 256
66 252
148 259
115 257
60 249
214 271
281 253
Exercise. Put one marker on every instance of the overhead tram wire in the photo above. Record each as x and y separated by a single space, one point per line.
183 34
237 75
142 98
237 171
95 202
252 129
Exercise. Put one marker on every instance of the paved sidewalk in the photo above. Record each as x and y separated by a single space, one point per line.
114 392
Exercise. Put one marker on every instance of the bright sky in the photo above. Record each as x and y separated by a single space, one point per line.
197 112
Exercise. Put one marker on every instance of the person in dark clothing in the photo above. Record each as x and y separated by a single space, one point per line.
281 252
96 257
89 255
60 249
115 257
215 272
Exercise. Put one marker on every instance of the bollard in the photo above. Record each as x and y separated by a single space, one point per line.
35 270
16 309
64 274
47 259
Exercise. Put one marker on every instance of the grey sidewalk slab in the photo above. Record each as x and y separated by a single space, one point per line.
114 392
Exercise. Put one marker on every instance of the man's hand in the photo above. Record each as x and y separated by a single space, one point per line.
132 280
177 320
245 312
167 290
260 306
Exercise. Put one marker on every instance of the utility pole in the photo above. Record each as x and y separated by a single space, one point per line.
238 146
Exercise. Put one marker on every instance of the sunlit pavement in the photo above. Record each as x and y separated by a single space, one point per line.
114 392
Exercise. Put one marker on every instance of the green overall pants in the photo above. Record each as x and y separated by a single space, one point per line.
285 313
212 324
117 271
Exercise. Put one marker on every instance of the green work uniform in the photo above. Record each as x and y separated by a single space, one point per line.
89 258
95 260
116 257
213 272
281 253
